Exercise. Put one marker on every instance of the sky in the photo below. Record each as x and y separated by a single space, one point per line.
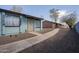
43 10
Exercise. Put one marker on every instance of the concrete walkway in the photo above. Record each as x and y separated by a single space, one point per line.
35 33
23 44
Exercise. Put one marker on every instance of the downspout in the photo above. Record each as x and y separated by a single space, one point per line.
33 25
2 20
20 24
26 24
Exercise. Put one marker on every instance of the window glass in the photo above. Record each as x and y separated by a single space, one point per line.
11 20
37 24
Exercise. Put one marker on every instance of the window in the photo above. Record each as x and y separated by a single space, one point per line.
37 24
12 21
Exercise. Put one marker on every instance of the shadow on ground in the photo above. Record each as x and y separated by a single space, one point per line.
66 41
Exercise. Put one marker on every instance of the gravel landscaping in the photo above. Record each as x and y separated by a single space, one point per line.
13 38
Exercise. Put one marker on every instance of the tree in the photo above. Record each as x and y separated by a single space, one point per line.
70 19
54 14
16 8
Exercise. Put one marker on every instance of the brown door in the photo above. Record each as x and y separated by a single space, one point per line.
30 25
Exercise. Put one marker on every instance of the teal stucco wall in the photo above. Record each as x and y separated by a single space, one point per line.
9 30
13 30
23 27
16 30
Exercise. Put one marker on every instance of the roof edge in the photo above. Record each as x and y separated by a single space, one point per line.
29 16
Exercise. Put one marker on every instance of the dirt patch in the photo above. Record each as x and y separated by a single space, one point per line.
13 38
